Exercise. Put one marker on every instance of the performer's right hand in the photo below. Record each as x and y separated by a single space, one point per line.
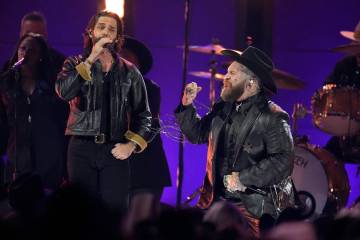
190 93
98 49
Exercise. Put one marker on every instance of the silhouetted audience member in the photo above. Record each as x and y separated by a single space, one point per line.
224 215
267 222
290 215
26 192
76 213
228 220
292 231
181 224
344 228
24 219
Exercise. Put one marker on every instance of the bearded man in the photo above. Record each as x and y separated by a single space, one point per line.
109 117
250 146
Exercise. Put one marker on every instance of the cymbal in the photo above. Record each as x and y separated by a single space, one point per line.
351 48
282 79
202 74
285 80
207 49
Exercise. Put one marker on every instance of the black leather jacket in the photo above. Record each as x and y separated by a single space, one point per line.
268 147
129 109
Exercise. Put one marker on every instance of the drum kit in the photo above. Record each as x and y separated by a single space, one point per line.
320 178
283 80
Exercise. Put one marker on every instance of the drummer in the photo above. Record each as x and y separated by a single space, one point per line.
347 70
346 73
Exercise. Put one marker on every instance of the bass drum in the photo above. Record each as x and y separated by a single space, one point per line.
320 180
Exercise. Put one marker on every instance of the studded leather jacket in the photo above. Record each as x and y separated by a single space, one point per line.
270 157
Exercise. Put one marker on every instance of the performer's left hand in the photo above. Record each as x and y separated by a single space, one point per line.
232 183
122 151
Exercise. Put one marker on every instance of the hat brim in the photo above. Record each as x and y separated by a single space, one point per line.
265 77
141 51
348 35
351 48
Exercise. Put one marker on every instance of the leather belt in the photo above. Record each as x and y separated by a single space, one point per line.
98 139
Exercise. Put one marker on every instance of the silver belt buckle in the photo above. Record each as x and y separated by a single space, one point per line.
100 139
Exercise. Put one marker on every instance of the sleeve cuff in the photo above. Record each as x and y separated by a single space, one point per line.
83 71
136 138
181 108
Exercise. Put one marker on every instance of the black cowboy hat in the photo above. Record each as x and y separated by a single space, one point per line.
141 51
258 62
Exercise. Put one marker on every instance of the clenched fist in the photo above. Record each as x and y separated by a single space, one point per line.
232 183
190 93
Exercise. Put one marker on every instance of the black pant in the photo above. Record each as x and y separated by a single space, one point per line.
93 167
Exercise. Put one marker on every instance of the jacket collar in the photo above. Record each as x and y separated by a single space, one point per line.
245 105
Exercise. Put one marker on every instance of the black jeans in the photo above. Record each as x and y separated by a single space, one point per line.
93 167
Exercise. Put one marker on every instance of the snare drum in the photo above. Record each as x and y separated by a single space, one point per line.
336 110
318 173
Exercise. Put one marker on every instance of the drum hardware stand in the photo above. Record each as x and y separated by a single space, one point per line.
347 139
213 71
307 205
299 111
192 196
302 205
180 170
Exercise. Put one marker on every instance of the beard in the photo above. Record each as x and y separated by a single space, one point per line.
232 92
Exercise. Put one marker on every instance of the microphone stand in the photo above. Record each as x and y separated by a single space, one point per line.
213 72
180 171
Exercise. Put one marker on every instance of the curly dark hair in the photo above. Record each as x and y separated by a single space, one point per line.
91 25
44 69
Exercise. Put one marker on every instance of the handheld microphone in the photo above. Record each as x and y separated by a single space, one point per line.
255 190
12 68
18 63
110 46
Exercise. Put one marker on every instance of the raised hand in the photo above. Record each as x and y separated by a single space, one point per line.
190 93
